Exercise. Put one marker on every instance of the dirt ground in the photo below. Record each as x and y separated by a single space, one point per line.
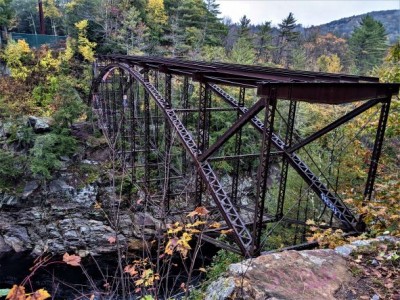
376 270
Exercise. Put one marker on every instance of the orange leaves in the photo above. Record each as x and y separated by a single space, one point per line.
18 293
72 260
142 273
199 211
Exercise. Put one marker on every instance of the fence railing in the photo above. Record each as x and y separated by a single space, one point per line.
37 40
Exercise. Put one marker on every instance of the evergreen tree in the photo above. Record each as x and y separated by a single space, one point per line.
287 38
264 43
6 13
193 25
244 27
243 50
368 44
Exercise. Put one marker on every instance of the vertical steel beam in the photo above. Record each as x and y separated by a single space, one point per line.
185 105
202 133
263 168
285 163
238 146
156 85
168 144
376 153
147 171
133 128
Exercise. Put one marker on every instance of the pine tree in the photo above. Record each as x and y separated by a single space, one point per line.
6 12
368 44
287 37
243 50
264 43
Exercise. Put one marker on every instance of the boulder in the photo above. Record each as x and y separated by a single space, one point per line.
290 275
29 188
39 124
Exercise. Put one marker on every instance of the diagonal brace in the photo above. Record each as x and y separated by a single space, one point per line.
354 113
243 120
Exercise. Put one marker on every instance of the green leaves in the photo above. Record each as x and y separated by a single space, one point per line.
368 44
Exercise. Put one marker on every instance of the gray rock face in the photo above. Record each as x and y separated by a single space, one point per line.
59 217
311 274
29 188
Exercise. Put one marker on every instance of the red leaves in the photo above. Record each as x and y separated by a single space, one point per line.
72 260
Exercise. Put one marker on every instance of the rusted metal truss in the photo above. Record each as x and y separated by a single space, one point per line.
160 116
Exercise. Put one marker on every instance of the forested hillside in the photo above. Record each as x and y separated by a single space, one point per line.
191 28
344 27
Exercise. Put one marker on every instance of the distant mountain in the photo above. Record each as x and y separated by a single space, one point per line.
344 27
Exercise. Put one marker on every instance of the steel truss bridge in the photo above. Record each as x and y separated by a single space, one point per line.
178 127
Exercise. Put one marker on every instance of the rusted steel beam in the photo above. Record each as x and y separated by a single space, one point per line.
330 93
256 73
380 133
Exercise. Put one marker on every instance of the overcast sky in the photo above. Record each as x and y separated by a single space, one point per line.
307 12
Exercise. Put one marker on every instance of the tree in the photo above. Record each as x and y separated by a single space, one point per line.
6 14
264 42
157 19
53 13
244 27
286 39
329 63
243 50
368 44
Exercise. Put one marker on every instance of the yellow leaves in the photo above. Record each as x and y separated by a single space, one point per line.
41 294
72 260
85 47
17 56
18 293
156 12
195 224
81 25
47 61
326 237
329 63
226 231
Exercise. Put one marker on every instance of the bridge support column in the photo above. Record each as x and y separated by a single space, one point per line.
203 134
238 146
376 153
147 147
285 163
168 146
263 169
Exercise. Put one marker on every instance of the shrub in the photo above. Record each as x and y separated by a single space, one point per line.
47 151
12 167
